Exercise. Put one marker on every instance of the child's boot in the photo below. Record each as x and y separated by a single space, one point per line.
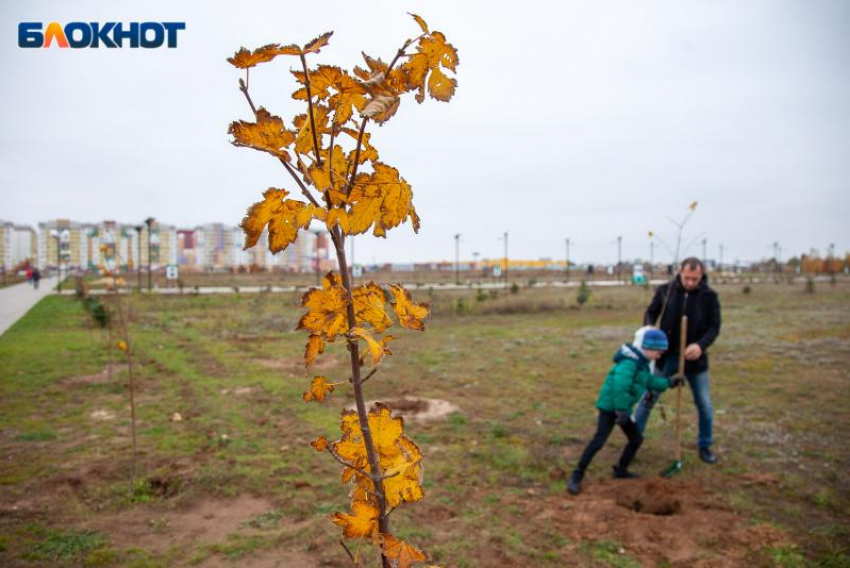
623 473
574 484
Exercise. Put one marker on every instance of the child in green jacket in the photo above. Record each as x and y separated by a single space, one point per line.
626 382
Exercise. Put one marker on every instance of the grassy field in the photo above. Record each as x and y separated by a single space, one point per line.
234 481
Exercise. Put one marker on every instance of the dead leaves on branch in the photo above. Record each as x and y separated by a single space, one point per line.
382 199
410 314
327 307
245 58
433 54
403 553
319 389
327 316
399 457
356 193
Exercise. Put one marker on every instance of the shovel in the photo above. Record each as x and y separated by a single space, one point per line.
676 466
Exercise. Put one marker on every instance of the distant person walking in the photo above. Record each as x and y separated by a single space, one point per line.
36 276
687 294
29 275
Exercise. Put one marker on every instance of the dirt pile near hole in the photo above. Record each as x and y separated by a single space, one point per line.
658 520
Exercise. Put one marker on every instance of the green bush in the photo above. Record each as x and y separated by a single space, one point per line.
583 294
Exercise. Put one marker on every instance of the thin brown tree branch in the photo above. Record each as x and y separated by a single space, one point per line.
310 109
359 399
356 156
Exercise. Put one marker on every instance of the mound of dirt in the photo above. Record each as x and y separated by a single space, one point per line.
417 409
657 520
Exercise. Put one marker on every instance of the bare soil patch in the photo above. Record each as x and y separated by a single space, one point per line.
207 521
296 364
100 378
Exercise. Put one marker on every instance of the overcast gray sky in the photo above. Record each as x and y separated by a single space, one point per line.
573 119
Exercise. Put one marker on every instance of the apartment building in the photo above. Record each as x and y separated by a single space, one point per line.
18 244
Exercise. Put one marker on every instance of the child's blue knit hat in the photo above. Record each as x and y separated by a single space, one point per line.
654 339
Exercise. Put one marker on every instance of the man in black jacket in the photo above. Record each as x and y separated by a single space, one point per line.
690 295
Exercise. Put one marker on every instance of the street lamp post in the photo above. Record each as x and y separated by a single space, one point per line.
506 259
620 257
55 235
457 259
149 222
139 255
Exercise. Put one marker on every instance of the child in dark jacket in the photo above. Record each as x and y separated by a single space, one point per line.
626 382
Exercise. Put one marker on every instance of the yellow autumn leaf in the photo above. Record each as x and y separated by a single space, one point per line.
367 151
399 457
369 306
432 53
316 44
440 86
362 523
319 389
402 474
383 199
386 430
315 347
421 23
320 444
266 135
404 554
383 343
331 175
338 216
693 206
326 308
304 136
122 345
284 218
376 350
245 58
410 314
348 94
313 46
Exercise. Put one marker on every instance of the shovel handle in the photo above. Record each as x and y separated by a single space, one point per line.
683 340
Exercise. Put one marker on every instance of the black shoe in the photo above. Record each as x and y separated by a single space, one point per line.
574 484
706 455
624 474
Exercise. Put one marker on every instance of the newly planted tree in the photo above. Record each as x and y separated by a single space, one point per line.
328 155
117 316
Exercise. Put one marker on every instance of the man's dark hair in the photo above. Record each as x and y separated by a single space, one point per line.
692 263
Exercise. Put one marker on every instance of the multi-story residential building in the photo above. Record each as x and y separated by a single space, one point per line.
112 246
18 245
188 249
63 242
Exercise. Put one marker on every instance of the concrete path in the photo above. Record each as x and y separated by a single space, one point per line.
16 300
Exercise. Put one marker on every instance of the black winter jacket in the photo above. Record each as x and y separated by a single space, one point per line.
703 311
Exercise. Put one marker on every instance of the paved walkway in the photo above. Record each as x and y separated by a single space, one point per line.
16 300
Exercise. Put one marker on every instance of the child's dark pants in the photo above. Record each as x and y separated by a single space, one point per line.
607 421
